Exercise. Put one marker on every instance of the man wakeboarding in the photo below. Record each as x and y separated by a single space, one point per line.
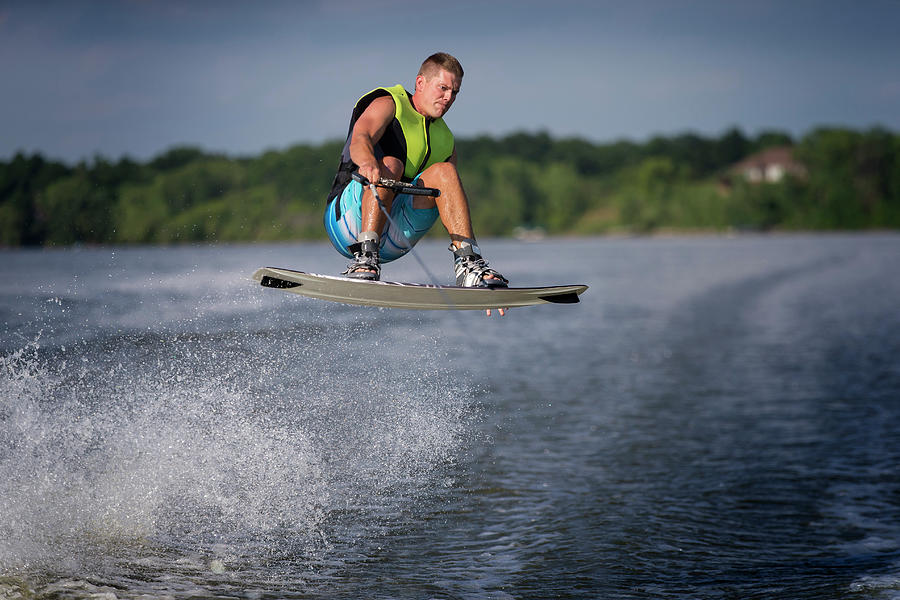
401 136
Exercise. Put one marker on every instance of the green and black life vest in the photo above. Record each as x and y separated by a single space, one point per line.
411 137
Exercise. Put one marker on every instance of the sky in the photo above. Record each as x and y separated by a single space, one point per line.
137 77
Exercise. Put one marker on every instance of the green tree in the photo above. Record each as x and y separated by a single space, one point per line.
731 148
22 180
141 212
560 199
647 199
770 139
73 210
177 158
501 195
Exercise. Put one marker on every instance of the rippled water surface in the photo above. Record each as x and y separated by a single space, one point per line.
718 418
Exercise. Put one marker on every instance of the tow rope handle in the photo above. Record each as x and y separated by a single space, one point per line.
401 187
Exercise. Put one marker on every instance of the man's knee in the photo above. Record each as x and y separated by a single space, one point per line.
393 167
441 170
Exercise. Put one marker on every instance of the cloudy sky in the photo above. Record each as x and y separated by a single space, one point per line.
136 77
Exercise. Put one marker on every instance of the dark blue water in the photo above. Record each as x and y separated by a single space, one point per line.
718 418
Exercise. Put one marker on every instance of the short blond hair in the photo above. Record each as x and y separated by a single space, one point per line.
440 60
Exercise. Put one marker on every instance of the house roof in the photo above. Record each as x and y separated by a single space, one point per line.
779 155
770 165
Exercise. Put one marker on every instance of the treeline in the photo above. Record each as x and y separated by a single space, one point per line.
850 180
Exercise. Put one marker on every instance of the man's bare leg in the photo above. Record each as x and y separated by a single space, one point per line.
452 204
373 219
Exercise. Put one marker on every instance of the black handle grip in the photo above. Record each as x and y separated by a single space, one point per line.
357 177
400 187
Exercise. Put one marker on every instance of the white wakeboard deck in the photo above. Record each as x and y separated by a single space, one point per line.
412 295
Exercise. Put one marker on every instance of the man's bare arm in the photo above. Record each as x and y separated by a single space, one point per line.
366 132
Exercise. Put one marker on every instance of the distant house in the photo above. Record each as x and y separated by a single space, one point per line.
769 166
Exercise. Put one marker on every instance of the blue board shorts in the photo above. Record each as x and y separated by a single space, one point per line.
343 219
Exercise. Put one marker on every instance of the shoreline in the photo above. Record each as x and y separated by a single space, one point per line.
663 233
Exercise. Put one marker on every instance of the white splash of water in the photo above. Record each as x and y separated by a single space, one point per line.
180 447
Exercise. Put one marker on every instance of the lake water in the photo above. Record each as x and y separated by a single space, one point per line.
718 418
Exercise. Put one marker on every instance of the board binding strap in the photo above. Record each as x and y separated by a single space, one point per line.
392 294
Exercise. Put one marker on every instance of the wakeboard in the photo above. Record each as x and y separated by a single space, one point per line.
392 294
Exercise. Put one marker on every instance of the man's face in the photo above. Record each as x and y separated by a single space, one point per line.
437 93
